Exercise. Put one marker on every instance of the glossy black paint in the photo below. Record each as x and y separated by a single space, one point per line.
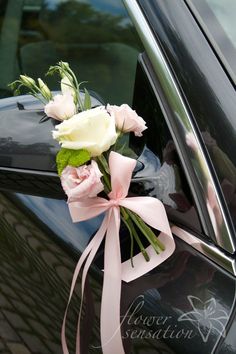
25 143
228 345
39 247
36 272
206 87
38 253
32 182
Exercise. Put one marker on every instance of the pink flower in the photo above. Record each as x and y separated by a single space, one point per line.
61 107
127 119
191 141
82 182
213 209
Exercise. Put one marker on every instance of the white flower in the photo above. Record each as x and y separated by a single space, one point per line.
44 89
93 130
28 81
66 86
61 107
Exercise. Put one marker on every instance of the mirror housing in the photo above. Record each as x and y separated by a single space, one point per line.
27 149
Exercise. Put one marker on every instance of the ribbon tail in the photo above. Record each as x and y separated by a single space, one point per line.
97 242
110 309
93 243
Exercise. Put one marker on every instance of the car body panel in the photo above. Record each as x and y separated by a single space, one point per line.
39 260
206 88
184 305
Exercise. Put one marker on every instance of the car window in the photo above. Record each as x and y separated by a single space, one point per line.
159 172
96 37
218 19
225 13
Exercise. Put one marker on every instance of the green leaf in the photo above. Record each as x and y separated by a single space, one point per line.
62 159
73 158
87 100
78 157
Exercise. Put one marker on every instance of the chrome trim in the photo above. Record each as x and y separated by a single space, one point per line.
207 249
29 172
210 209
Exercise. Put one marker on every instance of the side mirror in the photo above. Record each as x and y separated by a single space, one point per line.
27 149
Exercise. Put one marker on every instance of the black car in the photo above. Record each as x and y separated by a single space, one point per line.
174 62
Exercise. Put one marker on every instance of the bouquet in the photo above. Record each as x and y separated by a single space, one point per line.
95 165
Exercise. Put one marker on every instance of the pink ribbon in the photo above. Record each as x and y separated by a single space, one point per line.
152 211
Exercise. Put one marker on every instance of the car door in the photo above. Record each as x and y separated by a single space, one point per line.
172 38
162 311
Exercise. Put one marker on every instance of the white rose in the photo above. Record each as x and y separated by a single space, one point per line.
93 130
61 107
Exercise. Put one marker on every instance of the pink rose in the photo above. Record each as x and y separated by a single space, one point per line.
127 119
61 107
82 182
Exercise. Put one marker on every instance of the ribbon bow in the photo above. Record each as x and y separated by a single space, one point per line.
152 211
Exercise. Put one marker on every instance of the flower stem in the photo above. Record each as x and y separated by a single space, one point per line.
148 233
105 175
78 98
131 239
127 220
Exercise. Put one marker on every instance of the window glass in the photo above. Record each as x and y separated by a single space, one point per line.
225 14
95 36
219 18
159 172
